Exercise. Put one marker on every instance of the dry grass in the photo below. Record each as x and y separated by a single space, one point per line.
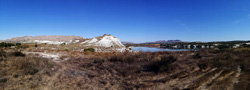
25 72
205 69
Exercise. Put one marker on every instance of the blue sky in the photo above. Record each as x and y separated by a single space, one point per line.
129 20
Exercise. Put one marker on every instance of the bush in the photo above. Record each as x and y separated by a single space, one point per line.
3 80
89 50
115 59
18 44
3 44
2 53
123 58
29 66
161 65
99 61
197 56
31 71
18 54
223 47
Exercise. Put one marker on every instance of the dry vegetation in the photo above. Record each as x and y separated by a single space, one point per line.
206 69
22 72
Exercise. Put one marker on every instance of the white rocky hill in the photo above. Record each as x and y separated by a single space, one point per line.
103 41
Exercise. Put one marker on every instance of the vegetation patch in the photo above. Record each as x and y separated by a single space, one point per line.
18 54
3 80
89 50
162 65
3 44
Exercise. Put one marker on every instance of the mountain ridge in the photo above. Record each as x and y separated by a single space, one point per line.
164 42
106 40
31 39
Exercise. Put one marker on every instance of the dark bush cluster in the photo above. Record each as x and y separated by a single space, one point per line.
2 53
197 56
245 46
161 65
18 54
18 44
3 80
223 47
99 61
3 44
124 58
115 59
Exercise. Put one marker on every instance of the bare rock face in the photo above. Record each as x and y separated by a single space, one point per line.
104 41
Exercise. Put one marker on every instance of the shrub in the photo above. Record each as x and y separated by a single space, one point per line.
3 44
16 76
18 44
161 65
89 50
31 71
29 66
115 59
197 56
2 53
18 54
99 61
223 47
3 80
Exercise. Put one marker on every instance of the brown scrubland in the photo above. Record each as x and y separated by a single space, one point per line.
207 69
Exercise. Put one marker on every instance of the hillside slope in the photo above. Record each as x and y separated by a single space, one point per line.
104 41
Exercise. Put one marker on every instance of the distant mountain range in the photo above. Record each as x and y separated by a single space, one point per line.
155 42
159 42
126 42
164 42
100 41
44 39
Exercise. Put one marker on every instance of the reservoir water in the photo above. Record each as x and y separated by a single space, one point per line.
151 49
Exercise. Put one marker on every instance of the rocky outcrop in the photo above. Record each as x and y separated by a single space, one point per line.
104 41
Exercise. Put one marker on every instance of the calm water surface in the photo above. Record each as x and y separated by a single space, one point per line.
151 49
